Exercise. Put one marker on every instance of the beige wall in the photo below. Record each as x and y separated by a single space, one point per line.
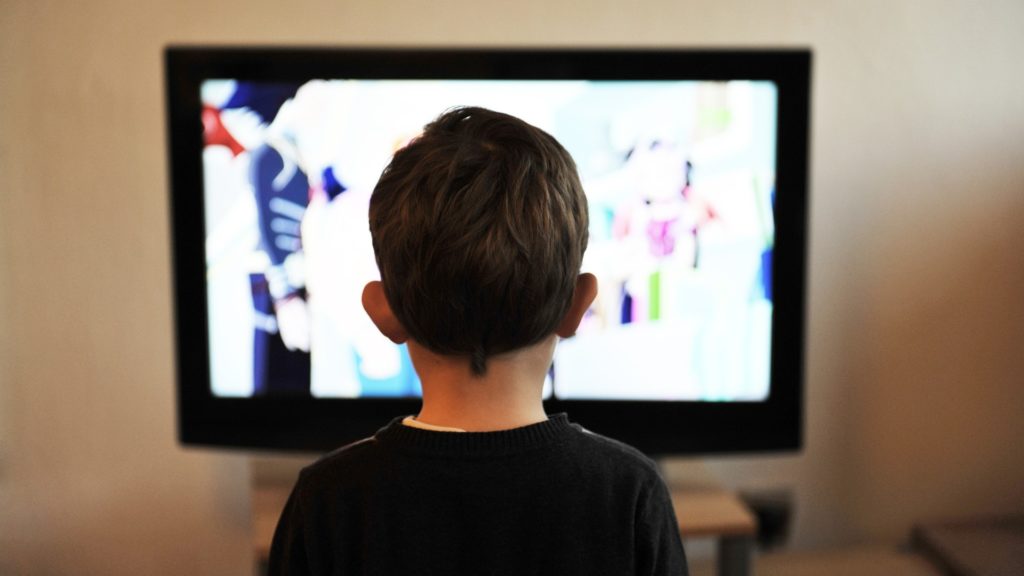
914 371
915 401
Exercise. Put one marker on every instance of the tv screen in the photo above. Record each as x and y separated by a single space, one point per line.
694 167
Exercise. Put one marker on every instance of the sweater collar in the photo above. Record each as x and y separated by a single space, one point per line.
474 444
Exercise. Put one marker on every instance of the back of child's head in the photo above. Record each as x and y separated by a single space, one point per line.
479 227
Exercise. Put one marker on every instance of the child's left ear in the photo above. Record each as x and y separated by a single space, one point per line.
379 311
582 297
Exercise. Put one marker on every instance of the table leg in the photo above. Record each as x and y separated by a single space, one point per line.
735 555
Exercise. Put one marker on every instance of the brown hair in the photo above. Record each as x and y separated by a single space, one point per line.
479 227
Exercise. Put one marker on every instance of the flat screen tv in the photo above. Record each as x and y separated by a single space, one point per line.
694 163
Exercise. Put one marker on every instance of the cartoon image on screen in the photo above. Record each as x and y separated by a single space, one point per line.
680 181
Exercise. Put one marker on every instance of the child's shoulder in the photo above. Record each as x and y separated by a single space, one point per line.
343 465
616 454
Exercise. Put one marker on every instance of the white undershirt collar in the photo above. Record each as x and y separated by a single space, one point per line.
412 422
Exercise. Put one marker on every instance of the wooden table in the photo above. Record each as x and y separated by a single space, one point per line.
719 514
267 504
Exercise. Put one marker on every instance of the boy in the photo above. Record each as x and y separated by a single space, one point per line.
479 227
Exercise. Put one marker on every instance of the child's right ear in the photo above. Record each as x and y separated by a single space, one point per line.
379 311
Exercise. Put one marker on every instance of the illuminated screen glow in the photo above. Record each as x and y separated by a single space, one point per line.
680 178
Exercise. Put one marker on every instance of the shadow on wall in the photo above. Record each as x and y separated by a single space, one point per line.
938 405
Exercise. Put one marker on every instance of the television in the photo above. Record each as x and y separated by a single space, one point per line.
694 163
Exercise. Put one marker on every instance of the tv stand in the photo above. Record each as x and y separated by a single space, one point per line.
706 509
717 513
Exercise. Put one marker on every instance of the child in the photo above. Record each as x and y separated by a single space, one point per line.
479 227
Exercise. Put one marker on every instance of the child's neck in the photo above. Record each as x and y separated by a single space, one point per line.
507 396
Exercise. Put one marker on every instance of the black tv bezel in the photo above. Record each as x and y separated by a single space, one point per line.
316 425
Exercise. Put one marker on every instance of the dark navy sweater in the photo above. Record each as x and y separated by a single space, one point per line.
549 498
